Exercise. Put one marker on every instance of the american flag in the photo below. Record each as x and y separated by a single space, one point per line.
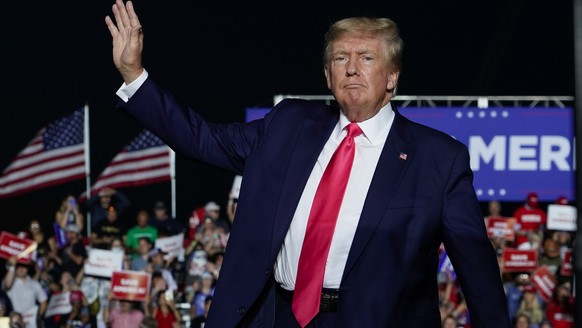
145 160
55 155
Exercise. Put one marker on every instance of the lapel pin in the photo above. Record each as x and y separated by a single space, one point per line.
403 156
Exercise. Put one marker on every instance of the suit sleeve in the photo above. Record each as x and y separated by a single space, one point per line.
222 145
470 250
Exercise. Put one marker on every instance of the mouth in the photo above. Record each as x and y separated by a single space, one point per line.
353 86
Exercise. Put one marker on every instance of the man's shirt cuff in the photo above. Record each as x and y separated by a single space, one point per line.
126 91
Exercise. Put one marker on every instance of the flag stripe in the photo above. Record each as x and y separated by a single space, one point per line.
145 160
55 155
48 165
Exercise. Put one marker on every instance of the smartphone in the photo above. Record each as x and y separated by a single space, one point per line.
72 202
169 295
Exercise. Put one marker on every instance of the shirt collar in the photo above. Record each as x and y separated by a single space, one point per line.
374 128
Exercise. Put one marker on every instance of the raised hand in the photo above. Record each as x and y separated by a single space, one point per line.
127 38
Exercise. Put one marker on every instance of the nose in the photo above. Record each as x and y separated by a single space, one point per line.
352 68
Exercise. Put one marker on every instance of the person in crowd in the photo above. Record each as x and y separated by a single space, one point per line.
564 240
231 208
522 321
26 294
534 241
16 321
514 292
157 263
45 244
79 315
416 192
550 256
141 230
200 320
69 213
530 305
207 289
530 218
107 230
560 310
212 210
450 322
98 205
140 260
123 313
165 311
163 222
72 257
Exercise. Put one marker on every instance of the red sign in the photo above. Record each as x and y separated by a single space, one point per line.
12 245
515 260
544 281
567 263
130 285
501 227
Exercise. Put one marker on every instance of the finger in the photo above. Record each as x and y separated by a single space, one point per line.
133 19
123 13
111 26
117 15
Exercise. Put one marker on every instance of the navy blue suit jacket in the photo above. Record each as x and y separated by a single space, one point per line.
413 204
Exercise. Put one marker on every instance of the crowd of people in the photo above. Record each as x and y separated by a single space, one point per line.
58 267
181 287
539 295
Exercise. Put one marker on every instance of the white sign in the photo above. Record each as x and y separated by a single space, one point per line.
59 304
173 246
102 262
562 217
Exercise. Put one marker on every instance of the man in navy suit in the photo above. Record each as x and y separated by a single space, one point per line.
410 189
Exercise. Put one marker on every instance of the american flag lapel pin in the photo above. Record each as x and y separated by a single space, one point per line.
403 156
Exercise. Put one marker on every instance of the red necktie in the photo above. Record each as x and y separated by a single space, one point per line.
320 227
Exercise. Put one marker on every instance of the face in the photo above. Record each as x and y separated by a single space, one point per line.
34 226
449 323
142 218
360 75
494 208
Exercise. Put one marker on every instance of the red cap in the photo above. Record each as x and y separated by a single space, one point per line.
562 200
532 199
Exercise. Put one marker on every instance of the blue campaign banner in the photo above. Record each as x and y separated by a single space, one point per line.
513 150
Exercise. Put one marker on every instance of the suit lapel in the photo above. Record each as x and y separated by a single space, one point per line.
307 146
398 152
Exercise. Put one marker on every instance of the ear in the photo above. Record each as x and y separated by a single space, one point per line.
327 76
392 80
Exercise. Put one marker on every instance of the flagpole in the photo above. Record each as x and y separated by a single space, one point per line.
87 164
173 180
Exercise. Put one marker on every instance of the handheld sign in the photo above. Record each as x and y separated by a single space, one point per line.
130 285
12 245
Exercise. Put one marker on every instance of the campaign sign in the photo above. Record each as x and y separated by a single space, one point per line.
173 246
513 151
501 227
102 263
544 281
561 217
567 263
59 304
130 285
515 260
12 245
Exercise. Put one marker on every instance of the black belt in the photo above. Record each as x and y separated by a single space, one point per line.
327 303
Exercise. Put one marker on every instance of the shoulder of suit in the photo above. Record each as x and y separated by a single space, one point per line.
424 132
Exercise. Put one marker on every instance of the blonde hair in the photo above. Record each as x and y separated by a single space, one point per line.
383 28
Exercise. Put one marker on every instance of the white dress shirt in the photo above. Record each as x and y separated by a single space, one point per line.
369 146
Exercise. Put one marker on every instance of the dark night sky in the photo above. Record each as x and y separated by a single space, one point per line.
221 58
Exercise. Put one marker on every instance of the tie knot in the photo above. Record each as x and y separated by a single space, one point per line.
353 129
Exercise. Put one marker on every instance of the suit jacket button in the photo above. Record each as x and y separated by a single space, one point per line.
241 310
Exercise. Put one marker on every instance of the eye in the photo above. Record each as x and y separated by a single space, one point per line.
339 59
